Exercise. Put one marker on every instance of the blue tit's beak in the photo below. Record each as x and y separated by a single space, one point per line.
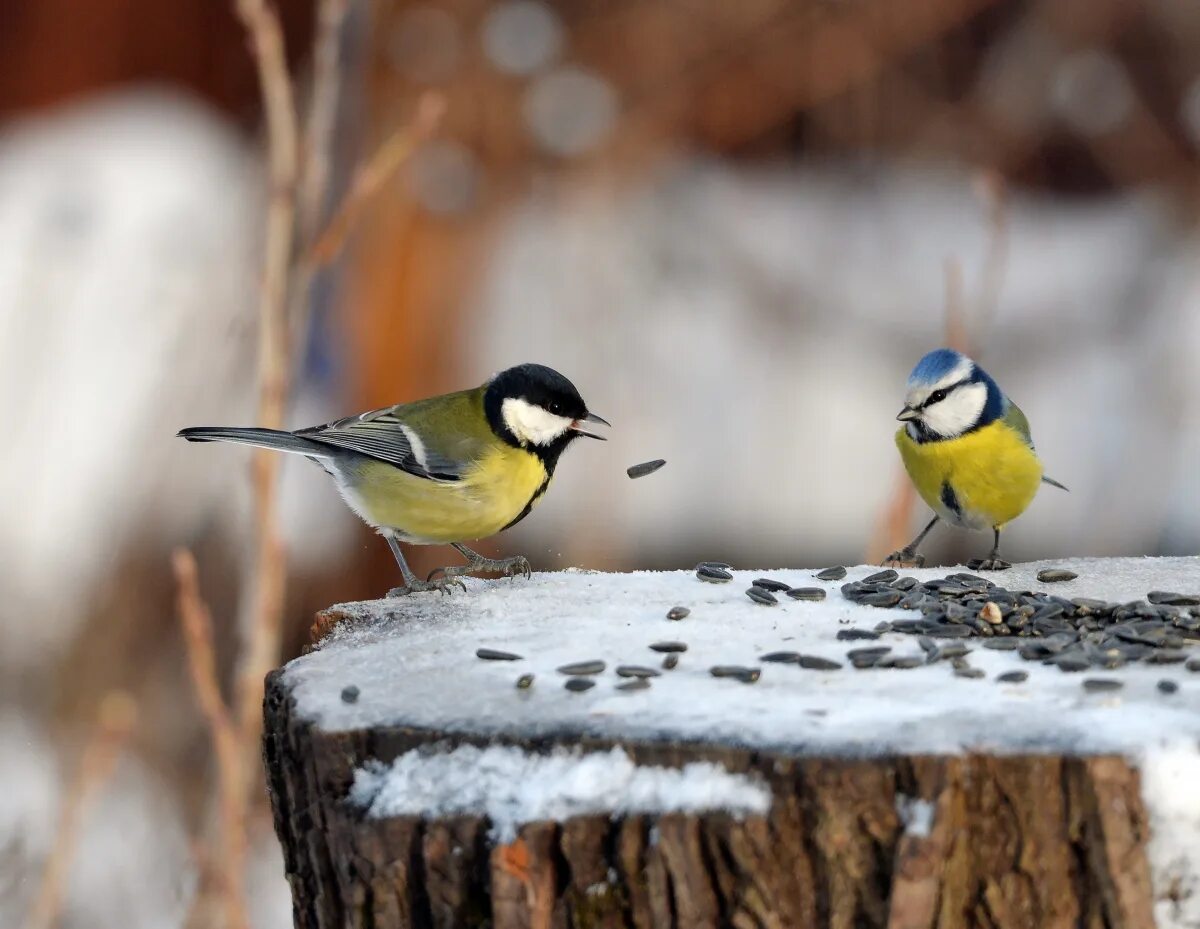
590 418
908 414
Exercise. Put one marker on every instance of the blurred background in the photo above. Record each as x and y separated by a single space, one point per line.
735 226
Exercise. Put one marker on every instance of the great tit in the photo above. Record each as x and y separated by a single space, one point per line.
968 450
461 466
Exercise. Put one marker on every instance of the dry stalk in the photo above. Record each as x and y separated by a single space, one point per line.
115 723
197 625
374 173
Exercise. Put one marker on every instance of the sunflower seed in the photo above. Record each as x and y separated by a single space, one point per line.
713 574
881 577
905 583
1055 575
745 675
764 597
781 657
678 612
831 574
972 673
817 663
640 684
524 682
851 635
767 583
579 684
881 628
1172 599
886 598
671 662
724 566
1071 663
1193 664
669 646
1013 677
807 593
633 670
901 662
1101 684
1167 687
1001 644
582 667
491 654
646 467
350 694
1166 656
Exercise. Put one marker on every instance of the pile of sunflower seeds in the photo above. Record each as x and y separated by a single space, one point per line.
1074 634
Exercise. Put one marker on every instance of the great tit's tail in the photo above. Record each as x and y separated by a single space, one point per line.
1053 483
259 438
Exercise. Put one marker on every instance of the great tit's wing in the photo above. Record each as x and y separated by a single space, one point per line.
399 436
1016 421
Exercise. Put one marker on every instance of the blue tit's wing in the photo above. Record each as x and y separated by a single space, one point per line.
387 436
1015 420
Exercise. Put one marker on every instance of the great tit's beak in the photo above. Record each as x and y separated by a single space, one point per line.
590 418
908 414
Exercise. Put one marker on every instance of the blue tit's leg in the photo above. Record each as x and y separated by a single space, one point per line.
413 584
907 557
510 567
993 562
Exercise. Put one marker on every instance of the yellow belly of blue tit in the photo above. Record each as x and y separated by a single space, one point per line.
980 480
491 495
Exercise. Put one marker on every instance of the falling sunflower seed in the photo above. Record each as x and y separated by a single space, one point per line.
646 467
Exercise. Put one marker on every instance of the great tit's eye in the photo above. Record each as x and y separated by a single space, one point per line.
555 407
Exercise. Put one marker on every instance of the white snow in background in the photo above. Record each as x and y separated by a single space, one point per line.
513 787
806 298
414 662
1171 787
916 814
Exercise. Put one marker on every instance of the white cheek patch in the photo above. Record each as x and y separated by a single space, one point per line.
958 413
531 424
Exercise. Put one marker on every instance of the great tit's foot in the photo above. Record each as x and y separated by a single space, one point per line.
904 559
991 563
443 585
509 567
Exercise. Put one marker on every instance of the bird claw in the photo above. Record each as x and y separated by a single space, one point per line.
509 567
443 585
990 563
904 559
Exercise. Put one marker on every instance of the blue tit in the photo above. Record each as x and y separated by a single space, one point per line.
456 467
967 449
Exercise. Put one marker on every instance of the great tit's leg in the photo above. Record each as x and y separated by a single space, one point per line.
509 567
907 557
412 583
993 562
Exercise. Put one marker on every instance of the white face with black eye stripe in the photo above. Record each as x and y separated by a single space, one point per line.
532 424
950 406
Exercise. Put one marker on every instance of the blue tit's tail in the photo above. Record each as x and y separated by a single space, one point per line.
259 438
1053 483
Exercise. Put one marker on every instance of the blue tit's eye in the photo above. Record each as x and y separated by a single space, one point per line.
937 396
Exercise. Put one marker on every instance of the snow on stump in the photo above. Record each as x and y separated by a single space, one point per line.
964 755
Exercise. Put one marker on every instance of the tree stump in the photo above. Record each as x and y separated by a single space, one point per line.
873 818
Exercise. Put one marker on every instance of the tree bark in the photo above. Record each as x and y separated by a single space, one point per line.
1016 842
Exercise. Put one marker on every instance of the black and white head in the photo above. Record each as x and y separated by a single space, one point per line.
949 395
535 407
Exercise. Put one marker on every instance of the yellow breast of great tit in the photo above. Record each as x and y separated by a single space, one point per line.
979 480
500 487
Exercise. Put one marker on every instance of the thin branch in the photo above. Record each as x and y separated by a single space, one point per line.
197 624
377 171
992 190
115 723
321 119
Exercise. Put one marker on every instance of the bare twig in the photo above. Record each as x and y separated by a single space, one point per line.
114 725
197 625
321 119
376 172
992 190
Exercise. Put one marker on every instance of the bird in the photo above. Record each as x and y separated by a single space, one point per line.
446 469
968 450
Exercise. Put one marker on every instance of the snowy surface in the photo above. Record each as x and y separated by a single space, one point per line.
513 787
414 663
